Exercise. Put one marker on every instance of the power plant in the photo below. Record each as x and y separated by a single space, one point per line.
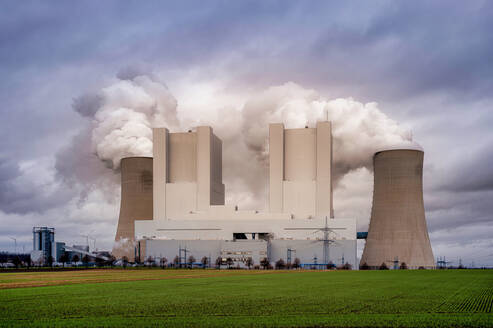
398 232
172 205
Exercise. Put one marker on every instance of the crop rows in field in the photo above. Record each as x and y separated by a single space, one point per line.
480 302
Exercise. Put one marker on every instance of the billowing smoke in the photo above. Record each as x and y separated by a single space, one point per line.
358 129
123 124
123 114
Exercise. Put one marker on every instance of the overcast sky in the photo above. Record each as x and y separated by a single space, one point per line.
428 65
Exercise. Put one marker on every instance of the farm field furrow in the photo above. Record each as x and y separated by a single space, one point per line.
210 298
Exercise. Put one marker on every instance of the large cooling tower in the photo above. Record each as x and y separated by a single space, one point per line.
398 229
136 202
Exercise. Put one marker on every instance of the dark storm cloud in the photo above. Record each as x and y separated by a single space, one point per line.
428 63
20 193
415 49
475 173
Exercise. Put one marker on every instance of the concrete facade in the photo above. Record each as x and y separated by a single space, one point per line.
188 211
187 172
309 252
136 202
398 230
300 178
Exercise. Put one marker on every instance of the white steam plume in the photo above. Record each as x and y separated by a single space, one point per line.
129 109
358 129
124 113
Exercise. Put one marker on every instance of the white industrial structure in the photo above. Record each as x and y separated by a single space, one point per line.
189 215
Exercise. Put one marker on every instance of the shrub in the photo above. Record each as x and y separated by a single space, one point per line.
296 263
229 262
264 263
249 262
219 261
176 261
280 264
191 261
204 261
383 266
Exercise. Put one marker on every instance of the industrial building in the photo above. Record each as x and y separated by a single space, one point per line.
47 251
174 202
172 205
398 234
44 246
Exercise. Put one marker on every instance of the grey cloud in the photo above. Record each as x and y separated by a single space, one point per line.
395 53
20 194
87 104
475 173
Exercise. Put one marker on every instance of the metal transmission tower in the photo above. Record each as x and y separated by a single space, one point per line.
184 252
326 240
442 262
290 251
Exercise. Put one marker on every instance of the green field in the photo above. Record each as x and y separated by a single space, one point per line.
185 298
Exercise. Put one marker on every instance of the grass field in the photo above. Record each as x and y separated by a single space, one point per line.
185 298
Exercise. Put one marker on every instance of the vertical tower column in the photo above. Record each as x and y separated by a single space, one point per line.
324 170
160 138
204 141
276 167
398 228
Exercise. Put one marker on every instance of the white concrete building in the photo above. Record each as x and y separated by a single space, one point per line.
188 201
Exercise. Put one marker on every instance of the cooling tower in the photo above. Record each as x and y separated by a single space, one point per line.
398 232
136 203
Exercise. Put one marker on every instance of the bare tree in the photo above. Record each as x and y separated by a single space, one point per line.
124 261
75 259
64 258
99 261
111 261
296 263
176 261
16 261
50 261
219 261
191 261
85 260
204 261
264 263
280 264
249 262
229 262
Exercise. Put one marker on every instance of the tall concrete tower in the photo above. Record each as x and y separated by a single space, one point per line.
136 203
300 165
398 229
187 172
